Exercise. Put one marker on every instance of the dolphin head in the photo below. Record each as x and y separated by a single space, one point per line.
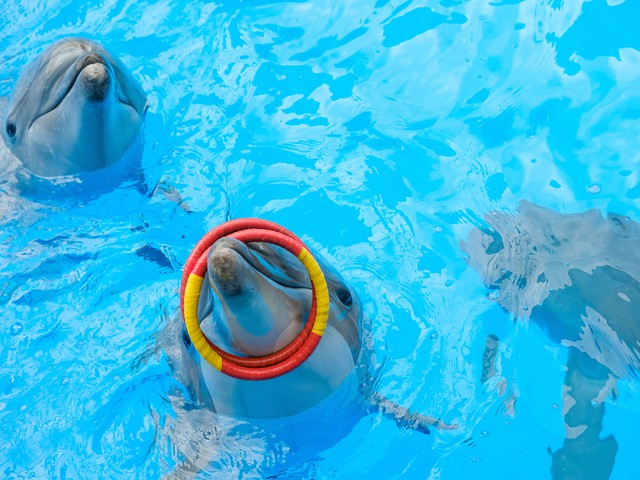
575 275
264 296
527 254
75 109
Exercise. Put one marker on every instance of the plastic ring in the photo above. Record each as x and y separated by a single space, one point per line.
277 363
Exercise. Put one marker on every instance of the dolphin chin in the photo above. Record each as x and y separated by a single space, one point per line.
75 109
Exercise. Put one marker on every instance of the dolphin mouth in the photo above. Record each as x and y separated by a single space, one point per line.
90 59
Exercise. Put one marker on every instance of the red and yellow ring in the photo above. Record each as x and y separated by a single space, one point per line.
284 360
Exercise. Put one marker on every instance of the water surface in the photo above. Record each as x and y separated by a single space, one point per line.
381 133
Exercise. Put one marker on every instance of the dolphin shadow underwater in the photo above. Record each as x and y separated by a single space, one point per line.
253 302
75 116
576 276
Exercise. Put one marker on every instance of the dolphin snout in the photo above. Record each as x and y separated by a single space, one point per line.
228 271
95 80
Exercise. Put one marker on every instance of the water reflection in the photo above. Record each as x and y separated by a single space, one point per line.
577 277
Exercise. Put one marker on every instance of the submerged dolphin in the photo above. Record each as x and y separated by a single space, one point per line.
75 109
254 302
578 277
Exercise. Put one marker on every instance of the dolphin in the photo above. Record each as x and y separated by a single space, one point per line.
576 276
75 109
253 302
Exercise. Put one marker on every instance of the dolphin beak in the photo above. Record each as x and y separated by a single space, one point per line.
231 263
230 267
260 315
94 77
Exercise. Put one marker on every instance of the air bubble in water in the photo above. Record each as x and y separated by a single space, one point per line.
593 189
624 297
16 328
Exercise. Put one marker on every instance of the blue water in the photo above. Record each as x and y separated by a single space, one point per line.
380 132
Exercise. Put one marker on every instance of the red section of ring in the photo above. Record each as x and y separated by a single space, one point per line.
290 356
272 371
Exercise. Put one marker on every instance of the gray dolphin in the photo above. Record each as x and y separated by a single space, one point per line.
75 109
254 302
577 276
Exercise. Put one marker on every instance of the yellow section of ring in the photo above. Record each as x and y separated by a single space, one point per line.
322 292
191 298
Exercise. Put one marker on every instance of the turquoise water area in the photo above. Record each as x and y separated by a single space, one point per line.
380 132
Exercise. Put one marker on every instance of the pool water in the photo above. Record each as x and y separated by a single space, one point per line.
379 132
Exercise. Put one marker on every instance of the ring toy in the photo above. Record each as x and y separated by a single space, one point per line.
284 360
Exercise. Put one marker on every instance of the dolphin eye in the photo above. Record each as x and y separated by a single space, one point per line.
344 296
11 130
185 339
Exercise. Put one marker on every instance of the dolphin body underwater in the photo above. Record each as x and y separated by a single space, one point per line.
75 109
254 301
577 276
